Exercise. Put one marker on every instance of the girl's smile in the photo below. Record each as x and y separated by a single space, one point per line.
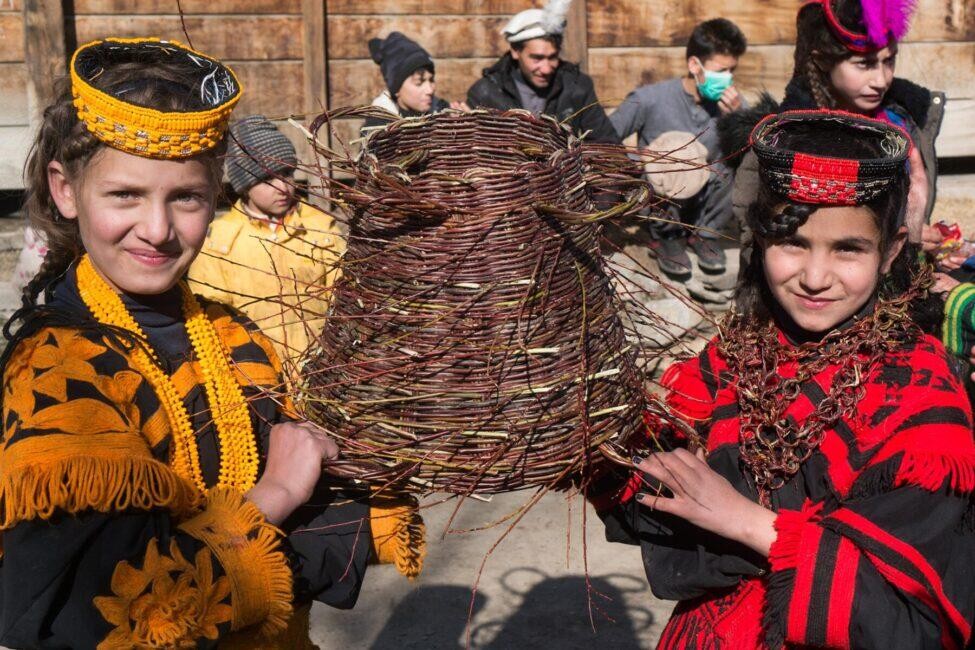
142 220
829 269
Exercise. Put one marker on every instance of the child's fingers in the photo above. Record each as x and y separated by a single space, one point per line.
690 459
666 469
659 503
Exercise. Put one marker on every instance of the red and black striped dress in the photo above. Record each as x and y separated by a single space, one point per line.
875 545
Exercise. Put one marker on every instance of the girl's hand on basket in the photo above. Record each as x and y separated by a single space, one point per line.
706 499
294 465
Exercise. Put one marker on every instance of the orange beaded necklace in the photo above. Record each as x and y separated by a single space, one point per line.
238 444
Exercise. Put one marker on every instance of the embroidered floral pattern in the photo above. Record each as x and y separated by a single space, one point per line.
47 362
168 603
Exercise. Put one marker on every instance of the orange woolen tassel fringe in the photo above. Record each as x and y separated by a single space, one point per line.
249 550
398 535
75 484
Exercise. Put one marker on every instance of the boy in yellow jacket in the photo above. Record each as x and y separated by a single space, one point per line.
271 256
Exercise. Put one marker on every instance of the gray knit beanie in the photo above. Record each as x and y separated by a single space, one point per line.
257 151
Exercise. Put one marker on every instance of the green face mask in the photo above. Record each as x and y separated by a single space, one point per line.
714 84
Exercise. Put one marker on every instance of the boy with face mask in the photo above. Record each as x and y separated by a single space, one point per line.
691 104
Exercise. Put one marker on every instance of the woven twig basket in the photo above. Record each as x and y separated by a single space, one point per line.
474 343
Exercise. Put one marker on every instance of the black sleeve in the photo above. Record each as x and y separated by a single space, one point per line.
895 566
681 561
330 542
477 95
486 93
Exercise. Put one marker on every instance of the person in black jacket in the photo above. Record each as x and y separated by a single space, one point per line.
532 76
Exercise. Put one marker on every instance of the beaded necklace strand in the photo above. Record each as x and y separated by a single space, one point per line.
237 442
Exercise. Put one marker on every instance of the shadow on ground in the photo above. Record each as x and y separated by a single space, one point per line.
546 613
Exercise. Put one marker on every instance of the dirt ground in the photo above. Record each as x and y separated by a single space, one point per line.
956 202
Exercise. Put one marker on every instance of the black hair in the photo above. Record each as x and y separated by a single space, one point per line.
774 218
716 36
554 39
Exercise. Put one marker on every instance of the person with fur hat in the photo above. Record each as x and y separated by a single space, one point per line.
272 256
691 104
532 76
409 73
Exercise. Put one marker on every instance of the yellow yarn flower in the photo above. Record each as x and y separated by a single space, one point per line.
63 356
168 603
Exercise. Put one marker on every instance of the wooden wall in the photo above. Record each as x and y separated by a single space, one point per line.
297 56
462 36
263 40
632 42
14 105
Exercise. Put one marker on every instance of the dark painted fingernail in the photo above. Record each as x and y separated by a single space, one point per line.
640 496
637 459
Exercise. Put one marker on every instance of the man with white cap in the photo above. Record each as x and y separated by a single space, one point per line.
532 76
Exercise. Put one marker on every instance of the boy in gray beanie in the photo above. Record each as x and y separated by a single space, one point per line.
270 245
256 152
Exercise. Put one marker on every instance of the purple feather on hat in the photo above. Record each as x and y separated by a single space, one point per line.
886 18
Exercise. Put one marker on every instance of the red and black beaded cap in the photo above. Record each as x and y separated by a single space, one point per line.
793 150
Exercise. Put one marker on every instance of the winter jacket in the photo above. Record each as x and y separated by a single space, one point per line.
921 109
279 278
572 98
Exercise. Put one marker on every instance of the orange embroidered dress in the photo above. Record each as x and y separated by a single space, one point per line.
106 545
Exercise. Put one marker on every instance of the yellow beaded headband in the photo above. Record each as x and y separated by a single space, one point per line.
145 131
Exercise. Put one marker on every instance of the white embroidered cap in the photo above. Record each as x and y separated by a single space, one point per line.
536 23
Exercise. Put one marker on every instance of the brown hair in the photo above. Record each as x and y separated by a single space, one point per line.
818 50
153 82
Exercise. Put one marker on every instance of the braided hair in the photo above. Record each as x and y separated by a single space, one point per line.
818 51
773 218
